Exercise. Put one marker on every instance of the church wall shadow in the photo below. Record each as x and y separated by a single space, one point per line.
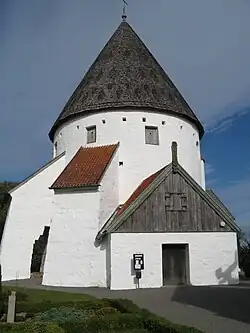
226 301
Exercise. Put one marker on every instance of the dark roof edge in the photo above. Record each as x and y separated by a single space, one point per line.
78 187
229 219
115 223
59 122
45 166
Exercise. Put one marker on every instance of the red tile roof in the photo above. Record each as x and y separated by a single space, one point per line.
141 188
86 168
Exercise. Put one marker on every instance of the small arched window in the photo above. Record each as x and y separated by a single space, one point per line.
55 148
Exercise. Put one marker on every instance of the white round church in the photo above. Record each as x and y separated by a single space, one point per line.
126 181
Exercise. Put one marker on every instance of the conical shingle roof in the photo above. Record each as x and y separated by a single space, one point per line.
126 75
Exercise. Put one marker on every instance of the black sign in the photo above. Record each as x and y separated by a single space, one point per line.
138 259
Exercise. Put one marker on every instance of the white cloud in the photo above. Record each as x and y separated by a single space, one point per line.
204 47
226 122
209 169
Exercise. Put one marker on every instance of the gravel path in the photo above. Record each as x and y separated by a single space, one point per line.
211 309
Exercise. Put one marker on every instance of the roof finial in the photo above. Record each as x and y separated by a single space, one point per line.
124 15
174 156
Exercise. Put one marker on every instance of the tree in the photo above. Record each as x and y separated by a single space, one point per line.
244 253
5 199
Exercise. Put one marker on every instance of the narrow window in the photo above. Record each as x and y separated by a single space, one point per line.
124 119
151 135
55 148
144 120
91 134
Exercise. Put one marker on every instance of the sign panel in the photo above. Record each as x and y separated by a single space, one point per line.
138 259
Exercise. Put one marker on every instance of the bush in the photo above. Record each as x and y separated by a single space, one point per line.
5 327
106 311
155 324
33 308
116 322
40 327
64 314
31 327
122 305
151 322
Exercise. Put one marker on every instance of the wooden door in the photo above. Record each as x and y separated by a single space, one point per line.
174 264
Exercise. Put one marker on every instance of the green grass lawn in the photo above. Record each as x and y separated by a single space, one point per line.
79 313
36 296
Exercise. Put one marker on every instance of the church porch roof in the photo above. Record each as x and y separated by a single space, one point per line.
86 168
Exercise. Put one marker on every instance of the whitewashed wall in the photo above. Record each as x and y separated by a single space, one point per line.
30 211
109 190
139 159
203 174
72 258
212 256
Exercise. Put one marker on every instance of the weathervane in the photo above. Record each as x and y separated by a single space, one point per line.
124 15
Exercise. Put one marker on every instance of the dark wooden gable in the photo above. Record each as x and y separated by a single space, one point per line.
173 206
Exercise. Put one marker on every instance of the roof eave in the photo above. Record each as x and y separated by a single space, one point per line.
46 165
78 187
89 111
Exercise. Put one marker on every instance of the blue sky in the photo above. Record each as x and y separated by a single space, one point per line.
47 46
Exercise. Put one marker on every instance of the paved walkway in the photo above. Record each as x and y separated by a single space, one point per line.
211 309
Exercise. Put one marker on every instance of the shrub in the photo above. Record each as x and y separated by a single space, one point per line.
63 314
106 311
31 327
151 322
245 258
5 327
123 305
33 308
156 324
40 327
115 322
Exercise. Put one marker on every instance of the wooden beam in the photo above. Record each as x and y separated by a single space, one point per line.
174 157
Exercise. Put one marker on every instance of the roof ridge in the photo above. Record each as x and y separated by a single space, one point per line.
102 146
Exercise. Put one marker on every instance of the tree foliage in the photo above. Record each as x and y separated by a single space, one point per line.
5 199
244 253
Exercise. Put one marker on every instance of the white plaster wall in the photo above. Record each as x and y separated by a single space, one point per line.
30 211
72 258
109 193
139 159
203 175
211 256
